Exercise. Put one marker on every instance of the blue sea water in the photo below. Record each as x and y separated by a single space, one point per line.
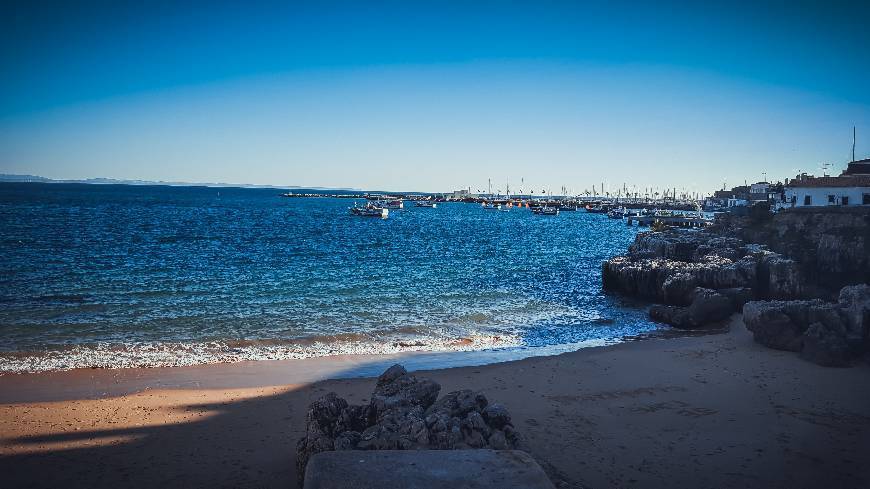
117 275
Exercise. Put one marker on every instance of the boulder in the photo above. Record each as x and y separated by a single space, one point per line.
459 403
738 296
405 414
854 302
675 316
779 277
396 388
826 346
777 324
496 416
708 306
677 289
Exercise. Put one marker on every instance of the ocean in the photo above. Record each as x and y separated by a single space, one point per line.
141 276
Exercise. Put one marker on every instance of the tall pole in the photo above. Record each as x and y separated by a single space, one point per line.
853 143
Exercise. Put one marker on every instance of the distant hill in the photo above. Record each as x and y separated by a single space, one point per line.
5 177
22 178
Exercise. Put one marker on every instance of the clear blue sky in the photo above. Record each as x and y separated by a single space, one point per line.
433 96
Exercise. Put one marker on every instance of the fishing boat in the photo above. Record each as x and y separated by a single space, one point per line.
617 213
425 203
393 204
369 210
598 209
546 211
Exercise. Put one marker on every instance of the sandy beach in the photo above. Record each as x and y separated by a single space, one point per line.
702 411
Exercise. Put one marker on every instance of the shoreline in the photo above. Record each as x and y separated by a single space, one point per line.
703 411
96 383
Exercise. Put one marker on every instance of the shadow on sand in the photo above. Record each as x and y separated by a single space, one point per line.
246 442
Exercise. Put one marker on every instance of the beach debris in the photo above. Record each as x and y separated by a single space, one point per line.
405 413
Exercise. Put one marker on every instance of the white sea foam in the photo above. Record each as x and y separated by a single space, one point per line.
106 355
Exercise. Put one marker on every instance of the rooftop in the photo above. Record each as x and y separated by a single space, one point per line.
855 180
858 167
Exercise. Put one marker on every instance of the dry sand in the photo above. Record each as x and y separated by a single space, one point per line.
711 411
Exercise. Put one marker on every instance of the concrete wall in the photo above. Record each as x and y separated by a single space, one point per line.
820 196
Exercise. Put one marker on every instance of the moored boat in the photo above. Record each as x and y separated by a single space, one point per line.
393 204
369 210
546 211
425 203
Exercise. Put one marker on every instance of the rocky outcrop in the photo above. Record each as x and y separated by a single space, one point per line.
830 244
826 333
405 414
706 306
671 267
776 269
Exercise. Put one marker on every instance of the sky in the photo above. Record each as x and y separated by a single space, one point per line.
434 96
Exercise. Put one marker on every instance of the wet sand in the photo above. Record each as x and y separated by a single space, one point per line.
706 411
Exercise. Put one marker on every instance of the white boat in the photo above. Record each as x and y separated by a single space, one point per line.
546 211
393 204
491 207
618 213
425 203
370 210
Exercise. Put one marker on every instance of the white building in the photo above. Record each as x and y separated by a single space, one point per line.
851 188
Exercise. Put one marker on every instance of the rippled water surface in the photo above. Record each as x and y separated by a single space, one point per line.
117 275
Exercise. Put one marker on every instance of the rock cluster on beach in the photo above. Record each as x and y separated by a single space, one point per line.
697 278
404 413
828 334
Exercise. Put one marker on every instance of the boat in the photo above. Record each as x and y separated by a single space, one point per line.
598 209
393 204
491 207
546 211
425 203
617 213
369 210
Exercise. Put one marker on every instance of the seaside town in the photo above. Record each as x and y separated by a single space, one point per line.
435 245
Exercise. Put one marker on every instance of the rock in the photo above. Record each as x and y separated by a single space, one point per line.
405 414
826 346
779 277
854 302
677 317
459 403
391 374
772 326
347 440
781 324
397 389
677 289
324 414
496 416
321 422
497 440
738 296
513 437
708 306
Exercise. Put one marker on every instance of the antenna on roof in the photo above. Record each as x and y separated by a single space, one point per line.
853 143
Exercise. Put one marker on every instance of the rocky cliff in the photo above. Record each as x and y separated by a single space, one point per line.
785 262
830 244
